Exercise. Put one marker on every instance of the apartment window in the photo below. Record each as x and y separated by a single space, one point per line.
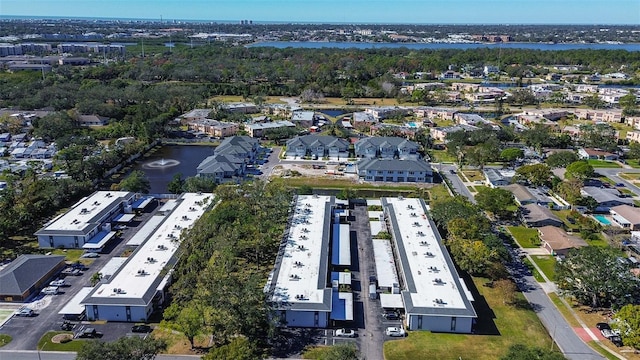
453 323
412 172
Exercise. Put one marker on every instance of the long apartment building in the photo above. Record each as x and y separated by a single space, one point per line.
138 287
434 296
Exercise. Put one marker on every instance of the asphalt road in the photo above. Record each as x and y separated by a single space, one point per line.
561 332
454 179
370 331
613 175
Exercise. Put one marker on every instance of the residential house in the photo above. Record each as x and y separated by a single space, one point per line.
435 113
534 215
392 170
26 275
213 128
304 119
450 74
242 108
361 117
557 241
257 129
633 121
612 116
633 136
386 147
525 195
593 154
222 168
385 112
318 146
605 197
490 69
626 216
496 177
466 87
92 120
196 114
243 147
440 133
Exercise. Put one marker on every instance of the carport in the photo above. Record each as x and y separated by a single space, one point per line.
97 243
123 218
74 310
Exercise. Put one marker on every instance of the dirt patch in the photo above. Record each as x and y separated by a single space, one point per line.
60 338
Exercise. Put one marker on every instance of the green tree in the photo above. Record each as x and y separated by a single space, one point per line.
448 209
131 348
629 103
561 159
340 352
524 352
189 321
240 348
569 190
594 101
627 320
538 136
137 181
197 183
510 155
176 184
594 277
536 174
634 151
474 227
496 201
580 170
479 155
474 257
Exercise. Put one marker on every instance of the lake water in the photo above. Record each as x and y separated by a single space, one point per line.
169 160
332 112
438 46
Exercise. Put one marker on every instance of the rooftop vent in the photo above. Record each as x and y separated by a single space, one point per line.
428 254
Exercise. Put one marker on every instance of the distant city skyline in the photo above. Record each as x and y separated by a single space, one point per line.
606 12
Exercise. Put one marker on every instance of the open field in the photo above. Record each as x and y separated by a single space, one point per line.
441 156
177 343
473 175
46 344
527 238
603 164
547 264
71 255
499 326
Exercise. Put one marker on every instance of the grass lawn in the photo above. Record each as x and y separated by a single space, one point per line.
177 343
473 175
499 326
630 176
634 164
438 192
46 344
547 264
4 339
566 313
562 214
441 156
527 238
72 255
603 164
599 241
534 271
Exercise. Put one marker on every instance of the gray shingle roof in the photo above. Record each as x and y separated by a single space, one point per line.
313 140
385 141
25 271
393 164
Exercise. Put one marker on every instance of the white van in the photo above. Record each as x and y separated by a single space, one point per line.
50 290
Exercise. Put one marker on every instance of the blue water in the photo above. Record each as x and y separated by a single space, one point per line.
412 124
603 220
332 112
437 46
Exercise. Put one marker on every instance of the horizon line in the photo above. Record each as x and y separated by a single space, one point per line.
278 22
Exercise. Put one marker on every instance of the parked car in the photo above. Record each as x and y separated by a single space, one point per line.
25 312
345 333
76 272
391 315
616 340
90 255
66 325
141 329
395 331
88 333
620 185
58 283
51 290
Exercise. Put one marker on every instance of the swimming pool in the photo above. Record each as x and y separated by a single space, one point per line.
412 124
603 220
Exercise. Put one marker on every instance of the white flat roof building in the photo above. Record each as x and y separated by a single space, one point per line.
128 295
298 286
434 296
84 220
385 265
74 310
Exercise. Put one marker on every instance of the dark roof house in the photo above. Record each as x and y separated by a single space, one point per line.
534 215
27 274
386 147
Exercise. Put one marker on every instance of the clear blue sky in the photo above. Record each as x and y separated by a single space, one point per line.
343 11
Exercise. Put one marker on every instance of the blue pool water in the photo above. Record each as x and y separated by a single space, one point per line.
412 124
603 220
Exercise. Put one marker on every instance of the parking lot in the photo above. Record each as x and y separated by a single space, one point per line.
27 331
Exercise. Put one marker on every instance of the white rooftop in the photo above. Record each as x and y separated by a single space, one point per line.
86 211
430 279
146 230
73 307
304 260
385 265
112 266
145 265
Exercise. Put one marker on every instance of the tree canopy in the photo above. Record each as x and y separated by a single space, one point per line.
496 201
130 348
536 174
580 170
561 159
627 320
594 277
137 181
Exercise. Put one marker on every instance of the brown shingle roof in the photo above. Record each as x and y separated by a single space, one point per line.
558 239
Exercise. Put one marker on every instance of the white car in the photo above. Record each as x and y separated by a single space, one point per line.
90 255
50 290
394 331
345 333
58 283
